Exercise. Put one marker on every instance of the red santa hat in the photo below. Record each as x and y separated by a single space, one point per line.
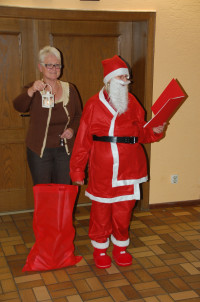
114 67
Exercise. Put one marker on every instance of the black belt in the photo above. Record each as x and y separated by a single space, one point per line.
116 139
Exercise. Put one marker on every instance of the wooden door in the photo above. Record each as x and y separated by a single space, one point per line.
84 44
16 49
85 39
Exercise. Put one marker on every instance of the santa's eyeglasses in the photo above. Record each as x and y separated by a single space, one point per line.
123 77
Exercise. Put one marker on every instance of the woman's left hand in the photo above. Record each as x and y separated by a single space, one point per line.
68 133
159 129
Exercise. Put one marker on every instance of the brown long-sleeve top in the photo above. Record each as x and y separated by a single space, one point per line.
47 124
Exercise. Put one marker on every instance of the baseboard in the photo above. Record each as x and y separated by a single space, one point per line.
151 206
175 204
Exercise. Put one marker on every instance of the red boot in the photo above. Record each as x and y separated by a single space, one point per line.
120 256
101 259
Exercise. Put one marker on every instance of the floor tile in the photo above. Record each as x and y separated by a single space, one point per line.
165 245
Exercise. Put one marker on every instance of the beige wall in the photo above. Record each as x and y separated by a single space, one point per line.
177 55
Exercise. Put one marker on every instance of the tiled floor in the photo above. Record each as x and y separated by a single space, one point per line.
165 244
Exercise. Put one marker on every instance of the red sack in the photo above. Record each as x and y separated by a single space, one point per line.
53 228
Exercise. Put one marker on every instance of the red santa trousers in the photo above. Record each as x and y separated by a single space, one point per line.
110 219
53 228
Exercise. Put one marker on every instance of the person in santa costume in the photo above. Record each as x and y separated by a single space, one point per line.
109 139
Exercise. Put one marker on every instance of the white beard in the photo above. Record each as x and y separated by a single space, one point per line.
118 94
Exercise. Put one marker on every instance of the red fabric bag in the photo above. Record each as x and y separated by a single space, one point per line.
53 228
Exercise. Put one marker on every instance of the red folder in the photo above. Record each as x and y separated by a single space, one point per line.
166 104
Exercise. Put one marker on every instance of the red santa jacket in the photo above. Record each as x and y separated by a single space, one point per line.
115 169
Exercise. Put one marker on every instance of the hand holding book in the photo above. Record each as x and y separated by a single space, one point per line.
159 129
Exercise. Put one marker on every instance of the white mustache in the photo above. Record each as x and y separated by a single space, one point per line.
121 82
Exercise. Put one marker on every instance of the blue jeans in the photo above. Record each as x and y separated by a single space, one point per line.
53 167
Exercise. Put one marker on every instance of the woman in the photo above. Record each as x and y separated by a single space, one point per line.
52 131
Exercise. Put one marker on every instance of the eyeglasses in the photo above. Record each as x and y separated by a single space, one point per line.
51 66
124 76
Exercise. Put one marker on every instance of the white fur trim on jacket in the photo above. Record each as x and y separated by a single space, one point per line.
134 196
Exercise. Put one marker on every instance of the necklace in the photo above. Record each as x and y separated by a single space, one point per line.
56 87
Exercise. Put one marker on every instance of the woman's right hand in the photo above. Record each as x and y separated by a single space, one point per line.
37 86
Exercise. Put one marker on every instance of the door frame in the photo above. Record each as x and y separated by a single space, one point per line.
147 18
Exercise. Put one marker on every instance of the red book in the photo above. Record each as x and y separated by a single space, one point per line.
169 100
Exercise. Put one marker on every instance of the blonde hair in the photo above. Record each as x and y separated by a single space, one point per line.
45 51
